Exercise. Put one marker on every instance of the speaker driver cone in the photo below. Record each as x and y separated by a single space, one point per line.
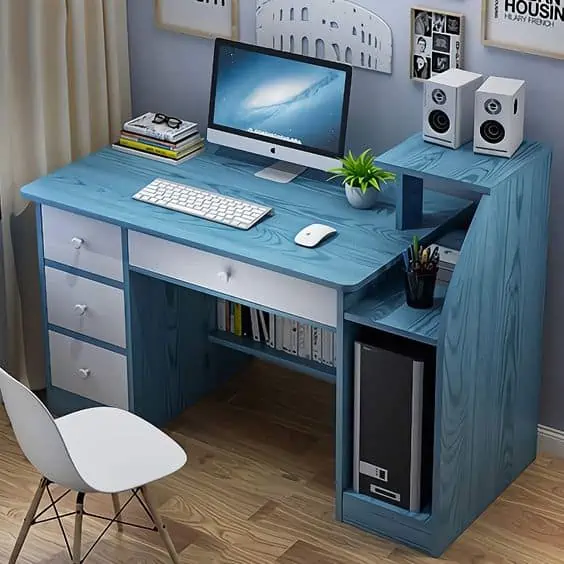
439 121
492 132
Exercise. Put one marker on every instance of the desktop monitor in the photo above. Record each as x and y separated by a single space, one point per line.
283 105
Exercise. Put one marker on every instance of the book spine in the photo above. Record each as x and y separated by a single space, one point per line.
142 131
238 321
232 317
327 347
272 330
316 344
221 315
279 333
255 325
304 341
293 337
149 148
262 318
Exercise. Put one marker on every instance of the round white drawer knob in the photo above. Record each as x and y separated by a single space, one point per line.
84 373
80 309
77 242
224 276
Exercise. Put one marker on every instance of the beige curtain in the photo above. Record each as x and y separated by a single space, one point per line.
64 92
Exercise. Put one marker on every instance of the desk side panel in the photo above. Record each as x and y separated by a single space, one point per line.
490 348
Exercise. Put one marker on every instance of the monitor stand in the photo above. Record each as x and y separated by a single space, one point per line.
281 171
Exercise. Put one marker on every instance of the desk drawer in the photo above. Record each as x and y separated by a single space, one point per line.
234 278
85 306
88 371
82 242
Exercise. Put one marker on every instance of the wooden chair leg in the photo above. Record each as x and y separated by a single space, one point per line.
160 525
115 500
77 545
28 520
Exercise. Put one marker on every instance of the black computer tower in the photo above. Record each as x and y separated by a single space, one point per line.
393 420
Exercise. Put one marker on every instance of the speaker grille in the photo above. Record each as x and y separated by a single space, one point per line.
439 121
492 106
492 132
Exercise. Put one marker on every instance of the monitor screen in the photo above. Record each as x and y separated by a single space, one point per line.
288 99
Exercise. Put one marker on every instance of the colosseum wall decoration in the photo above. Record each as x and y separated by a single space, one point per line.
337 30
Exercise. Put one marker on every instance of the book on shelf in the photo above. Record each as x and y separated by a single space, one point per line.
144 125
287 335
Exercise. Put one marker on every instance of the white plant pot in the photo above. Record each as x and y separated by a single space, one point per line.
359 200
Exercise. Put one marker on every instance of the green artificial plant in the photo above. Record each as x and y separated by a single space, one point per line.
361 172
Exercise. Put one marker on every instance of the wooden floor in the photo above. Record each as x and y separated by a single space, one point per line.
257 489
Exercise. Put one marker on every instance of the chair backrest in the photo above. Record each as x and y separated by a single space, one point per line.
38 435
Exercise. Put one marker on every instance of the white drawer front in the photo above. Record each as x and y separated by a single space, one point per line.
88 371
85 306
82 242
236 279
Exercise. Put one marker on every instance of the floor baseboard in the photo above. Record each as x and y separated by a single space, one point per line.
550 441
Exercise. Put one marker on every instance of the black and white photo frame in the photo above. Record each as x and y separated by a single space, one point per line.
436 42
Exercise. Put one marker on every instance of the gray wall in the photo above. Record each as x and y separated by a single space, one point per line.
171 72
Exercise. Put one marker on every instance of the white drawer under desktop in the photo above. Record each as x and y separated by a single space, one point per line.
88 371
86 307
82 242
234 278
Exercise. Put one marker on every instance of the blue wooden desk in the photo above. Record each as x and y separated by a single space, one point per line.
130 295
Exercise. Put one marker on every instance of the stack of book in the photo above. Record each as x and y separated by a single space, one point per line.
278 332
161 138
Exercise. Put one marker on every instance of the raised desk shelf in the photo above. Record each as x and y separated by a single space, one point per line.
264 352
388 311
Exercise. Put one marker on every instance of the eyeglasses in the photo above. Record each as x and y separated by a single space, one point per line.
172 122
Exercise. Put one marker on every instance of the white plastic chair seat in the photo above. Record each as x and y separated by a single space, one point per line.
114 450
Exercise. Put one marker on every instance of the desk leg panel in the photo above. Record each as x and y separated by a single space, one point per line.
170 352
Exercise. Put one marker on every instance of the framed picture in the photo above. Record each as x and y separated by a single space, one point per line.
436 42
529 27
216 18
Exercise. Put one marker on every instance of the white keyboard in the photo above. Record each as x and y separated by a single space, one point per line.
201 203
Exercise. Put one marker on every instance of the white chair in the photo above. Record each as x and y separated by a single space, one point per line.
102 449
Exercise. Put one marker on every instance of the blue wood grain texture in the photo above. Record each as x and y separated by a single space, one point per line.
42 288
461 169
489 351
409 203
387 310
281 358
83 273
84 338
101 185
60 402
127 297
389 521
169 330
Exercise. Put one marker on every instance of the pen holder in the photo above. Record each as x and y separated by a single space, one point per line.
420 288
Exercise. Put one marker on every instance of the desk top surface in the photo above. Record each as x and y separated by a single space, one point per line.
479 173
101 185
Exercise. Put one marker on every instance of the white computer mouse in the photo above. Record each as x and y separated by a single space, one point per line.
312 235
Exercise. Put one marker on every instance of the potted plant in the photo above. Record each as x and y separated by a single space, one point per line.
362 179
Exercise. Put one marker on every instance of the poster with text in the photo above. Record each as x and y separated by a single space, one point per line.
530 26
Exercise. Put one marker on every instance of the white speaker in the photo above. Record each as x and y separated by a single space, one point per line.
448 107
499 126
